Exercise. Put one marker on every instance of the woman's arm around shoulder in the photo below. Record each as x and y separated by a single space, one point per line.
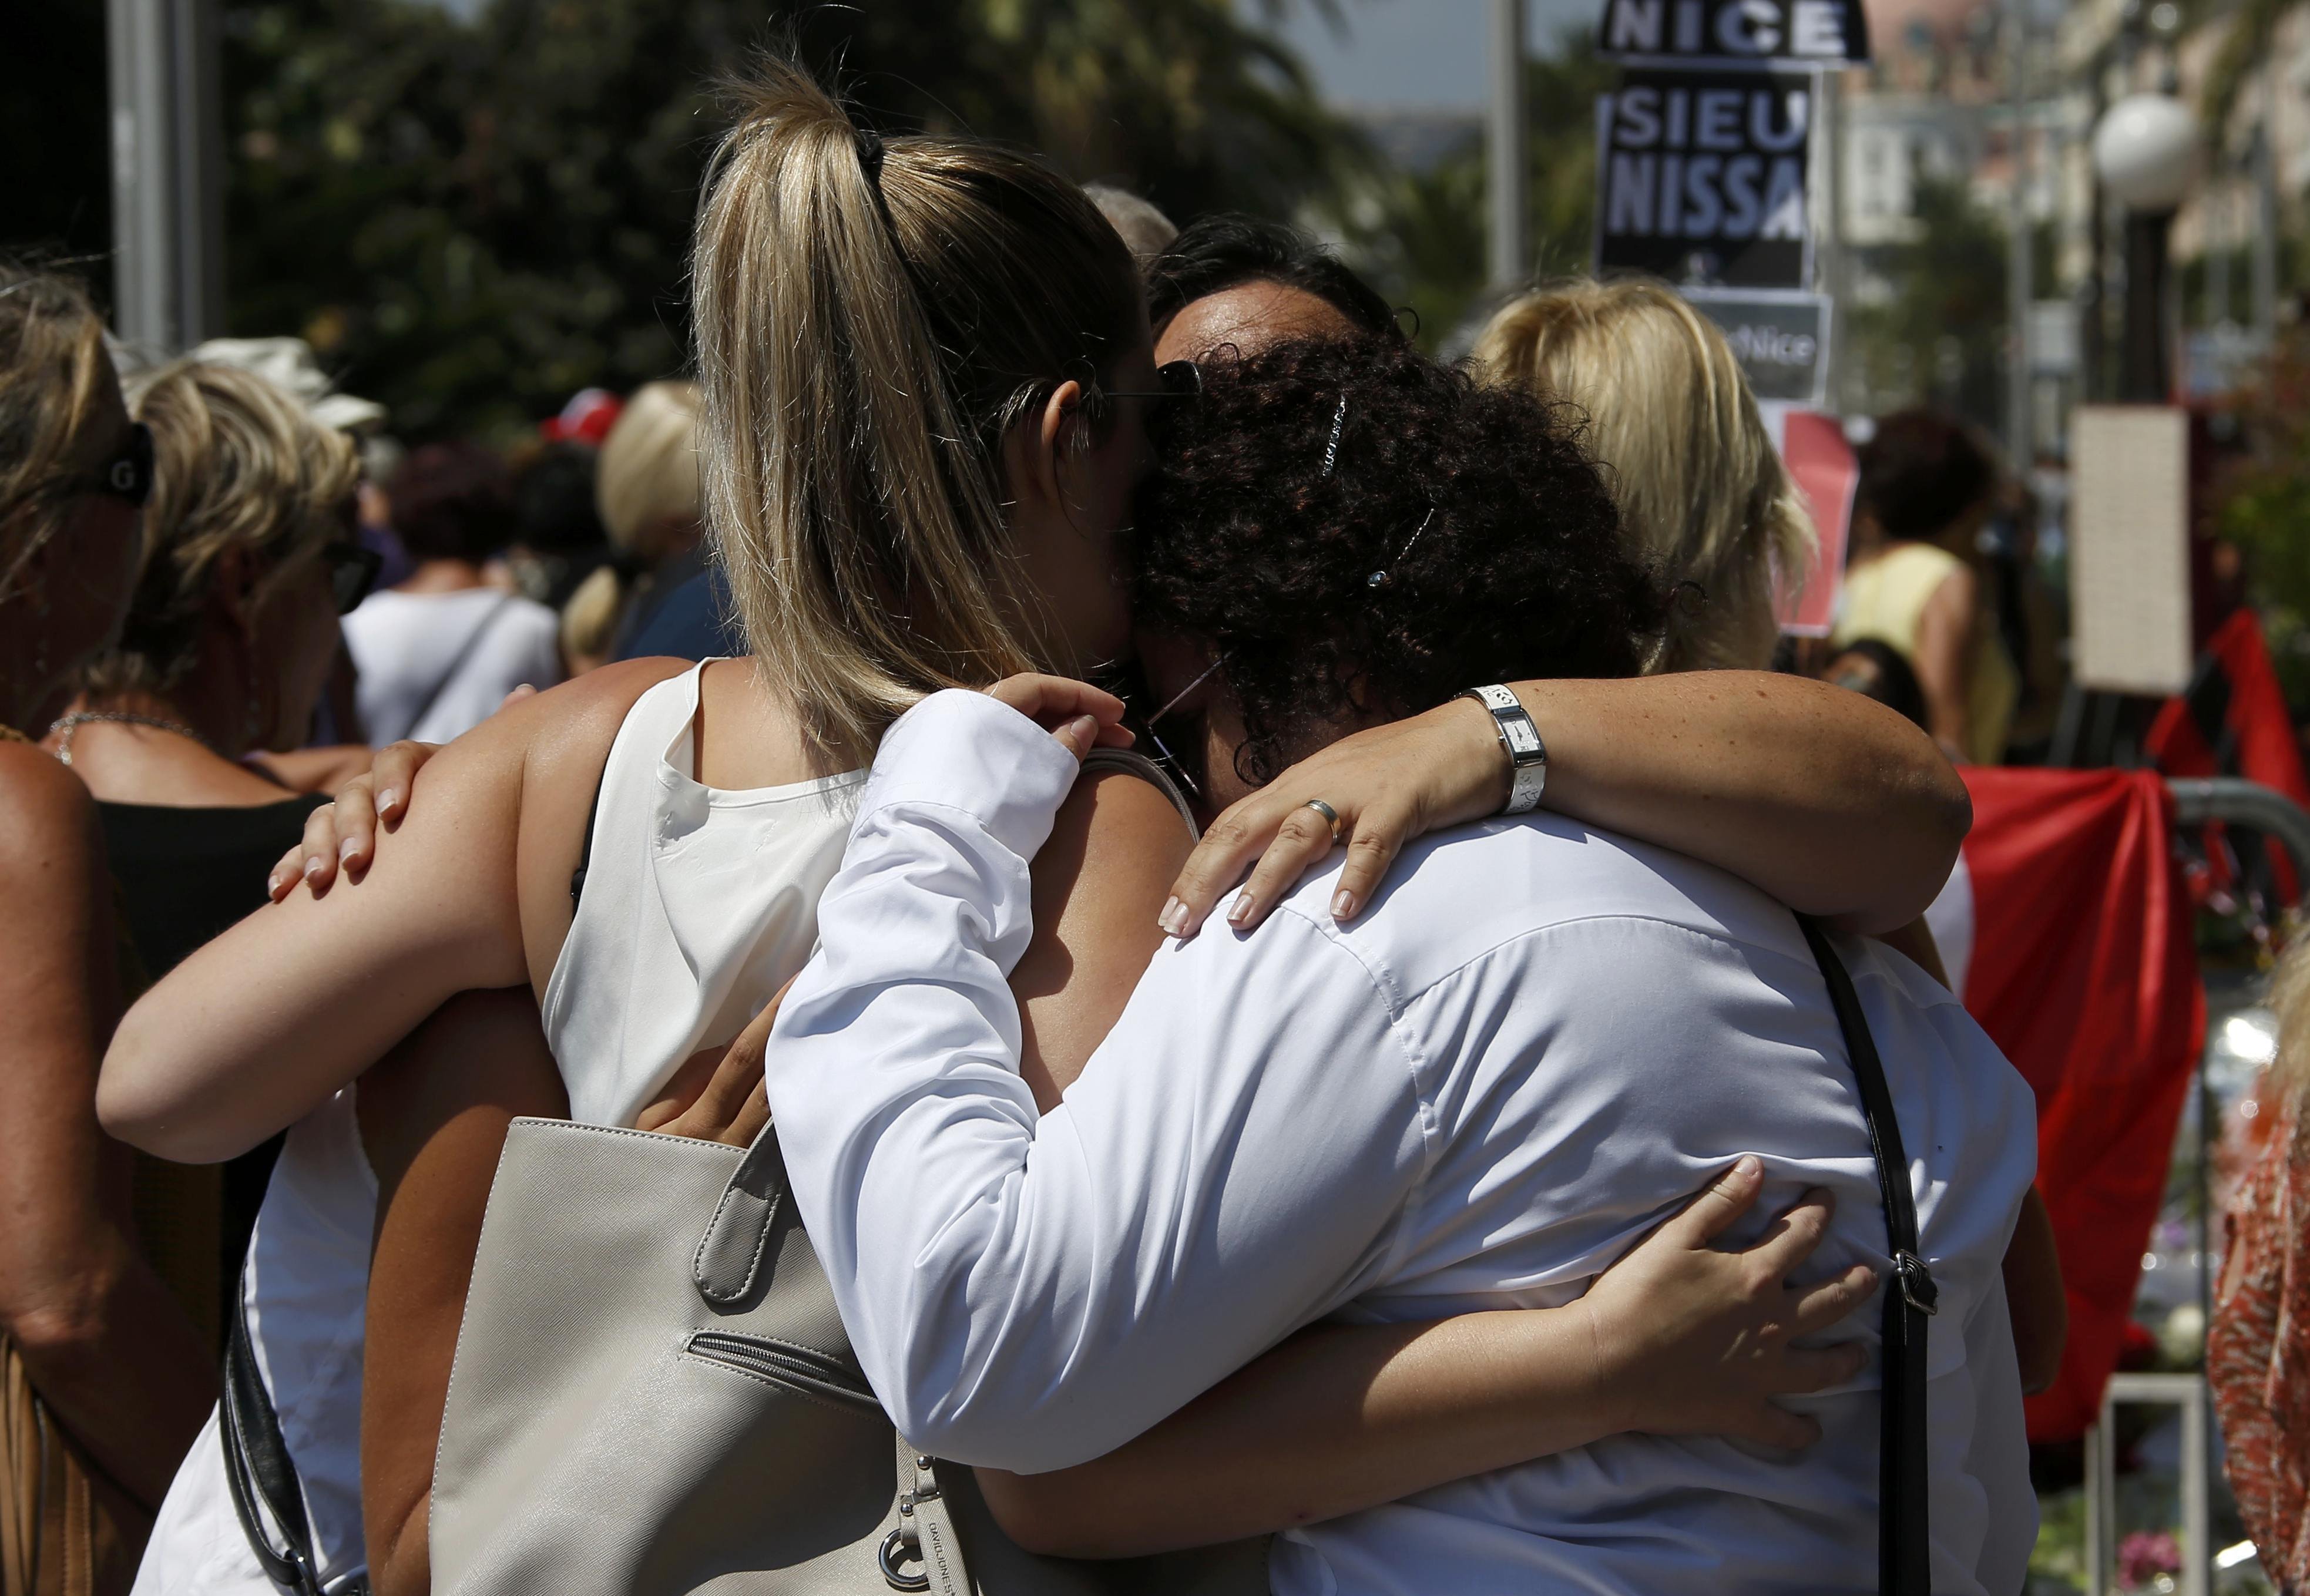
1676 1337
259 1026
1834 804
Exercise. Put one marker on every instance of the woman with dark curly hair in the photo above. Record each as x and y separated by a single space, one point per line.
1353 590
1516 1061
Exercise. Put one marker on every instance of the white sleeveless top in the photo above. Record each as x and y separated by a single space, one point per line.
305 1287
699 904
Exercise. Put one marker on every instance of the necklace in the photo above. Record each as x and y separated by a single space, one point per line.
64 727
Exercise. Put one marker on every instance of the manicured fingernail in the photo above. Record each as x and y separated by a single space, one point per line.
1750 1167
1085 728
312 868
389 801
1343 904
272 885
345 849
1173 918
1240 909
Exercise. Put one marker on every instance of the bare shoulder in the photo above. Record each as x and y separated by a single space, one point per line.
1099 883
47 824
1960 588
573 724
1113 822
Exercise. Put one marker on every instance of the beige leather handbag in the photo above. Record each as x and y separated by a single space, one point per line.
654 1396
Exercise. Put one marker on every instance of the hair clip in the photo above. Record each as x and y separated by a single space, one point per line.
1381 578
1331 449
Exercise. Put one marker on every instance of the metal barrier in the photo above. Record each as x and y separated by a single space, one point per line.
2234 802
2187 1392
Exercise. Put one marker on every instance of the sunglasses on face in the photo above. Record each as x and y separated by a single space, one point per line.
1172 763
127 476
1174 380
352 572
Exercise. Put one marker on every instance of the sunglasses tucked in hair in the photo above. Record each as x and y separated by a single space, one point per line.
128 474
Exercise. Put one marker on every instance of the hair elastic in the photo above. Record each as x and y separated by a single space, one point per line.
870 155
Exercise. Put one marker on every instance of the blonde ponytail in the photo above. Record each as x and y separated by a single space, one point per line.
871 320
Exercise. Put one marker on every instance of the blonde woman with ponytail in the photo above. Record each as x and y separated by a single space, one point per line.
927 374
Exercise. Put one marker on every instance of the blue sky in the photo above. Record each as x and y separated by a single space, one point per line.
1392 54
1404 53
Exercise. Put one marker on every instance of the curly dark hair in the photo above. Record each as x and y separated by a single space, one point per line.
1455 535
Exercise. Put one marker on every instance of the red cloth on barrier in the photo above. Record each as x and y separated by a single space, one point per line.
2083 970
2234 722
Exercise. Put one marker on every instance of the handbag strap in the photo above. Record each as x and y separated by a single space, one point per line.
729 1256
926 1535
258 1468
1904 1540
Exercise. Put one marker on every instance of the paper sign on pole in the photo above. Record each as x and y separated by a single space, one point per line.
1700 176
2129 548
1812 446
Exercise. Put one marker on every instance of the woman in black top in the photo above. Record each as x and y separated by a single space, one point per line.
248 561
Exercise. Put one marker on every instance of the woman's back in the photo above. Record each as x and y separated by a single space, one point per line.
433 665
696 904
1886 597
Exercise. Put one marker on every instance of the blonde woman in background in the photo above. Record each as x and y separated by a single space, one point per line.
1705 498
103 1376
1703 495
660 595
249 559
2258 1345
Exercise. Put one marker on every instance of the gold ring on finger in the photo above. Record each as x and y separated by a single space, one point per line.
1330 816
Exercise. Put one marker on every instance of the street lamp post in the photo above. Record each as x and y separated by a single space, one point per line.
1507 176
168 171
2145 151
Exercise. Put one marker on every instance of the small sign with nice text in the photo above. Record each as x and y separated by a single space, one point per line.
1807 32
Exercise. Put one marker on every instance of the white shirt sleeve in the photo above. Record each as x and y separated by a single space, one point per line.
1234 1162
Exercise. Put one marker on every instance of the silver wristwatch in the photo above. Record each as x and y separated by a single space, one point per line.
1527 754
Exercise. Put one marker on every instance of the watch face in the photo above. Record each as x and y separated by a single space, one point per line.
1523 738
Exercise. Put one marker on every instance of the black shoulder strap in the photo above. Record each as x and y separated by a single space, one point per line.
586 849
457 662
1904 1537
258 1469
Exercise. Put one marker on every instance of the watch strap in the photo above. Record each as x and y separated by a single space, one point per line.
1527 754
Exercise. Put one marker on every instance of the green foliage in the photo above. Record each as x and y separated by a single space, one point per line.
471 219
2261 502
2250 32
55 131
1936 339
1421 237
